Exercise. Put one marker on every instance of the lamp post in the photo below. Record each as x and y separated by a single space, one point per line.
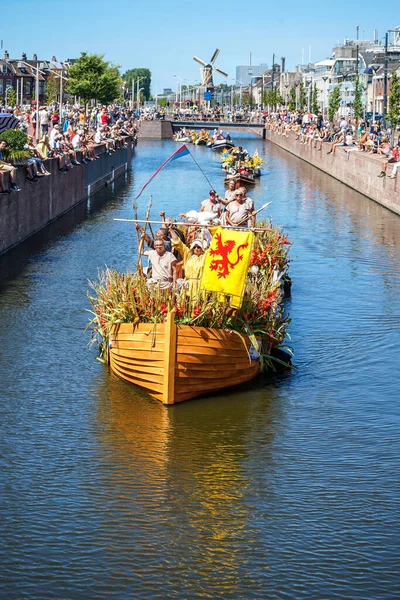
138 80
8 89
325 79
296 86
241 84
308 84
374 68
36 95
286 95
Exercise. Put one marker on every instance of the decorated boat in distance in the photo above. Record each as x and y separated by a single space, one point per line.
220 145
241 178
175 362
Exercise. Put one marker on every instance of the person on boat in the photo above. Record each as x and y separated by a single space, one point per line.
163 265
211 204
193 261
230 195
239 211
160 234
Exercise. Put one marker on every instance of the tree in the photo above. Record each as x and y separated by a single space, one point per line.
91 77
394 103
135 74
334 102
51 89
292 99
11 97
358 106
272 98
314 100
302 98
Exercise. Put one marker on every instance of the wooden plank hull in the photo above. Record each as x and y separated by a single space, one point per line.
174 363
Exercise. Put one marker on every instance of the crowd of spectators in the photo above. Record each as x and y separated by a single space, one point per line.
62 136
312 130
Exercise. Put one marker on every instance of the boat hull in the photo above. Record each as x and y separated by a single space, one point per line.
241 179
174 363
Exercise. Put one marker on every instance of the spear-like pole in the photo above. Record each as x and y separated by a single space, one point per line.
141 243
184 224
255 213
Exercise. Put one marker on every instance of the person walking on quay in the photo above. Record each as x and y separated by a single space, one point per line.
43 120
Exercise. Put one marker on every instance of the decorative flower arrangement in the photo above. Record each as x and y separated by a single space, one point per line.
126 298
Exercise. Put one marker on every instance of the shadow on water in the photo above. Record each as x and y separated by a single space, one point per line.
13 262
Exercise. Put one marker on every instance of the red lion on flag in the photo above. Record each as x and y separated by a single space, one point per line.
224 265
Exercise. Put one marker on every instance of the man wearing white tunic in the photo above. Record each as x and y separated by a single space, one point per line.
163 265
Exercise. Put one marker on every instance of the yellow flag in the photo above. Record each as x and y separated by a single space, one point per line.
227 262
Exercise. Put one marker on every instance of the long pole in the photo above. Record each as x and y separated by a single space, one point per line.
22 91
373 100
385 76
61 101
133 93
17 91
37 103
184 224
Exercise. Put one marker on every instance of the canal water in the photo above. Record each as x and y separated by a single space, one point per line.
286 489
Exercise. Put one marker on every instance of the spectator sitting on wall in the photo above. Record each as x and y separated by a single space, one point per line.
7 168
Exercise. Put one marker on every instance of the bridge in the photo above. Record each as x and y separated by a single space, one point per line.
241 125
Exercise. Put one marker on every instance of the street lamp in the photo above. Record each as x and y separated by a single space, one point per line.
325 79
138 80
8 89
374 68
241 84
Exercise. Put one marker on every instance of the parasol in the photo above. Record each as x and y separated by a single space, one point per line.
8 121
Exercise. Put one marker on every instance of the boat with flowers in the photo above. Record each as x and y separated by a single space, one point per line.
176 347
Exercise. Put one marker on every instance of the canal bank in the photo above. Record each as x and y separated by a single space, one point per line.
358 170
38 204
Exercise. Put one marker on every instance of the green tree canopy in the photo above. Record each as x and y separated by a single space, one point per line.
272 97
334 102
314 100
302 97
135 74
51 88
91 77
292 99
358 106
394 102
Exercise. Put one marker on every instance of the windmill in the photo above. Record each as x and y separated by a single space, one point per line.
208 69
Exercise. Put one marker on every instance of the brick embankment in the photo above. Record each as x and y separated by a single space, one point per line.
358 170
38 204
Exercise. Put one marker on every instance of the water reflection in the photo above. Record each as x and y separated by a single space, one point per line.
182 472
287 488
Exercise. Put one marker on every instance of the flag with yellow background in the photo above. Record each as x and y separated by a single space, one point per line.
227 262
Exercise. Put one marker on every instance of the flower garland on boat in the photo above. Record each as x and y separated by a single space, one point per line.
126 298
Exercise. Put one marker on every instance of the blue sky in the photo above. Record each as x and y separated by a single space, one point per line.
164 36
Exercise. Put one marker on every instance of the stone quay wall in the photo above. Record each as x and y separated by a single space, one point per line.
358 170
37 204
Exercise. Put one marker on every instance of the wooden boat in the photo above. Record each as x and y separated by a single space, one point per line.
174 362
